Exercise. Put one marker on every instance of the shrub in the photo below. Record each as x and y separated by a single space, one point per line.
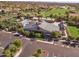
27 33
24 32
17 43
32 35
7 53
39 51
38 35
56 34
77 38
36 55
12 48
71 38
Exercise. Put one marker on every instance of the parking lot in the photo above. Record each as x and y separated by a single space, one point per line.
5 39
54 50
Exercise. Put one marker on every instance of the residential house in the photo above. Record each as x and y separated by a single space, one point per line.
45 26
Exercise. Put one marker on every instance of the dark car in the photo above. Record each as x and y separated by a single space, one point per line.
73 44
66 42
55 39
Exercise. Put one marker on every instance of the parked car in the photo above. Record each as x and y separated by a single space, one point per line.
76 43
67 42
73 44
56 40
16 34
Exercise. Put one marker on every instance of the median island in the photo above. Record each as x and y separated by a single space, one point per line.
13 48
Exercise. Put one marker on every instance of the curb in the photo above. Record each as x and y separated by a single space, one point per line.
45 42
18 53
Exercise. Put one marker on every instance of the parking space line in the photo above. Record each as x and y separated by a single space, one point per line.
55 44
67 46
1 48
62 45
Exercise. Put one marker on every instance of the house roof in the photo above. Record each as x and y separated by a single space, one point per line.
49 26
29 24
44 25
24 22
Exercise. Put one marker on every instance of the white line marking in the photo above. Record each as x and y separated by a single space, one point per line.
1 48
55 44
62 45
67 46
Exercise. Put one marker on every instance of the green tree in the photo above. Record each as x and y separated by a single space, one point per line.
28 16
32 34
27 33
71 38
51 16
17 43
36 55
24 32
56 34
38 35
77 38
13 48
7 53
39 51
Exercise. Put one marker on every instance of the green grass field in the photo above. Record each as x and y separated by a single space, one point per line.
74 31
54 11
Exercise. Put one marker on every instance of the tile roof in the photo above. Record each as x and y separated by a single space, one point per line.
49 26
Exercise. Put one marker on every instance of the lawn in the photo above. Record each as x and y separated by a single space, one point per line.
74 31
54 11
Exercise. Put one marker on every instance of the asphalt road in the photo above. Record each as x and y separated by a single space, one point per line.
29 47
54 50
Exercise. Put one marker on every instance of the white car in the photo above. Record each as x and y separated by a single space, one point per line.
16 34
